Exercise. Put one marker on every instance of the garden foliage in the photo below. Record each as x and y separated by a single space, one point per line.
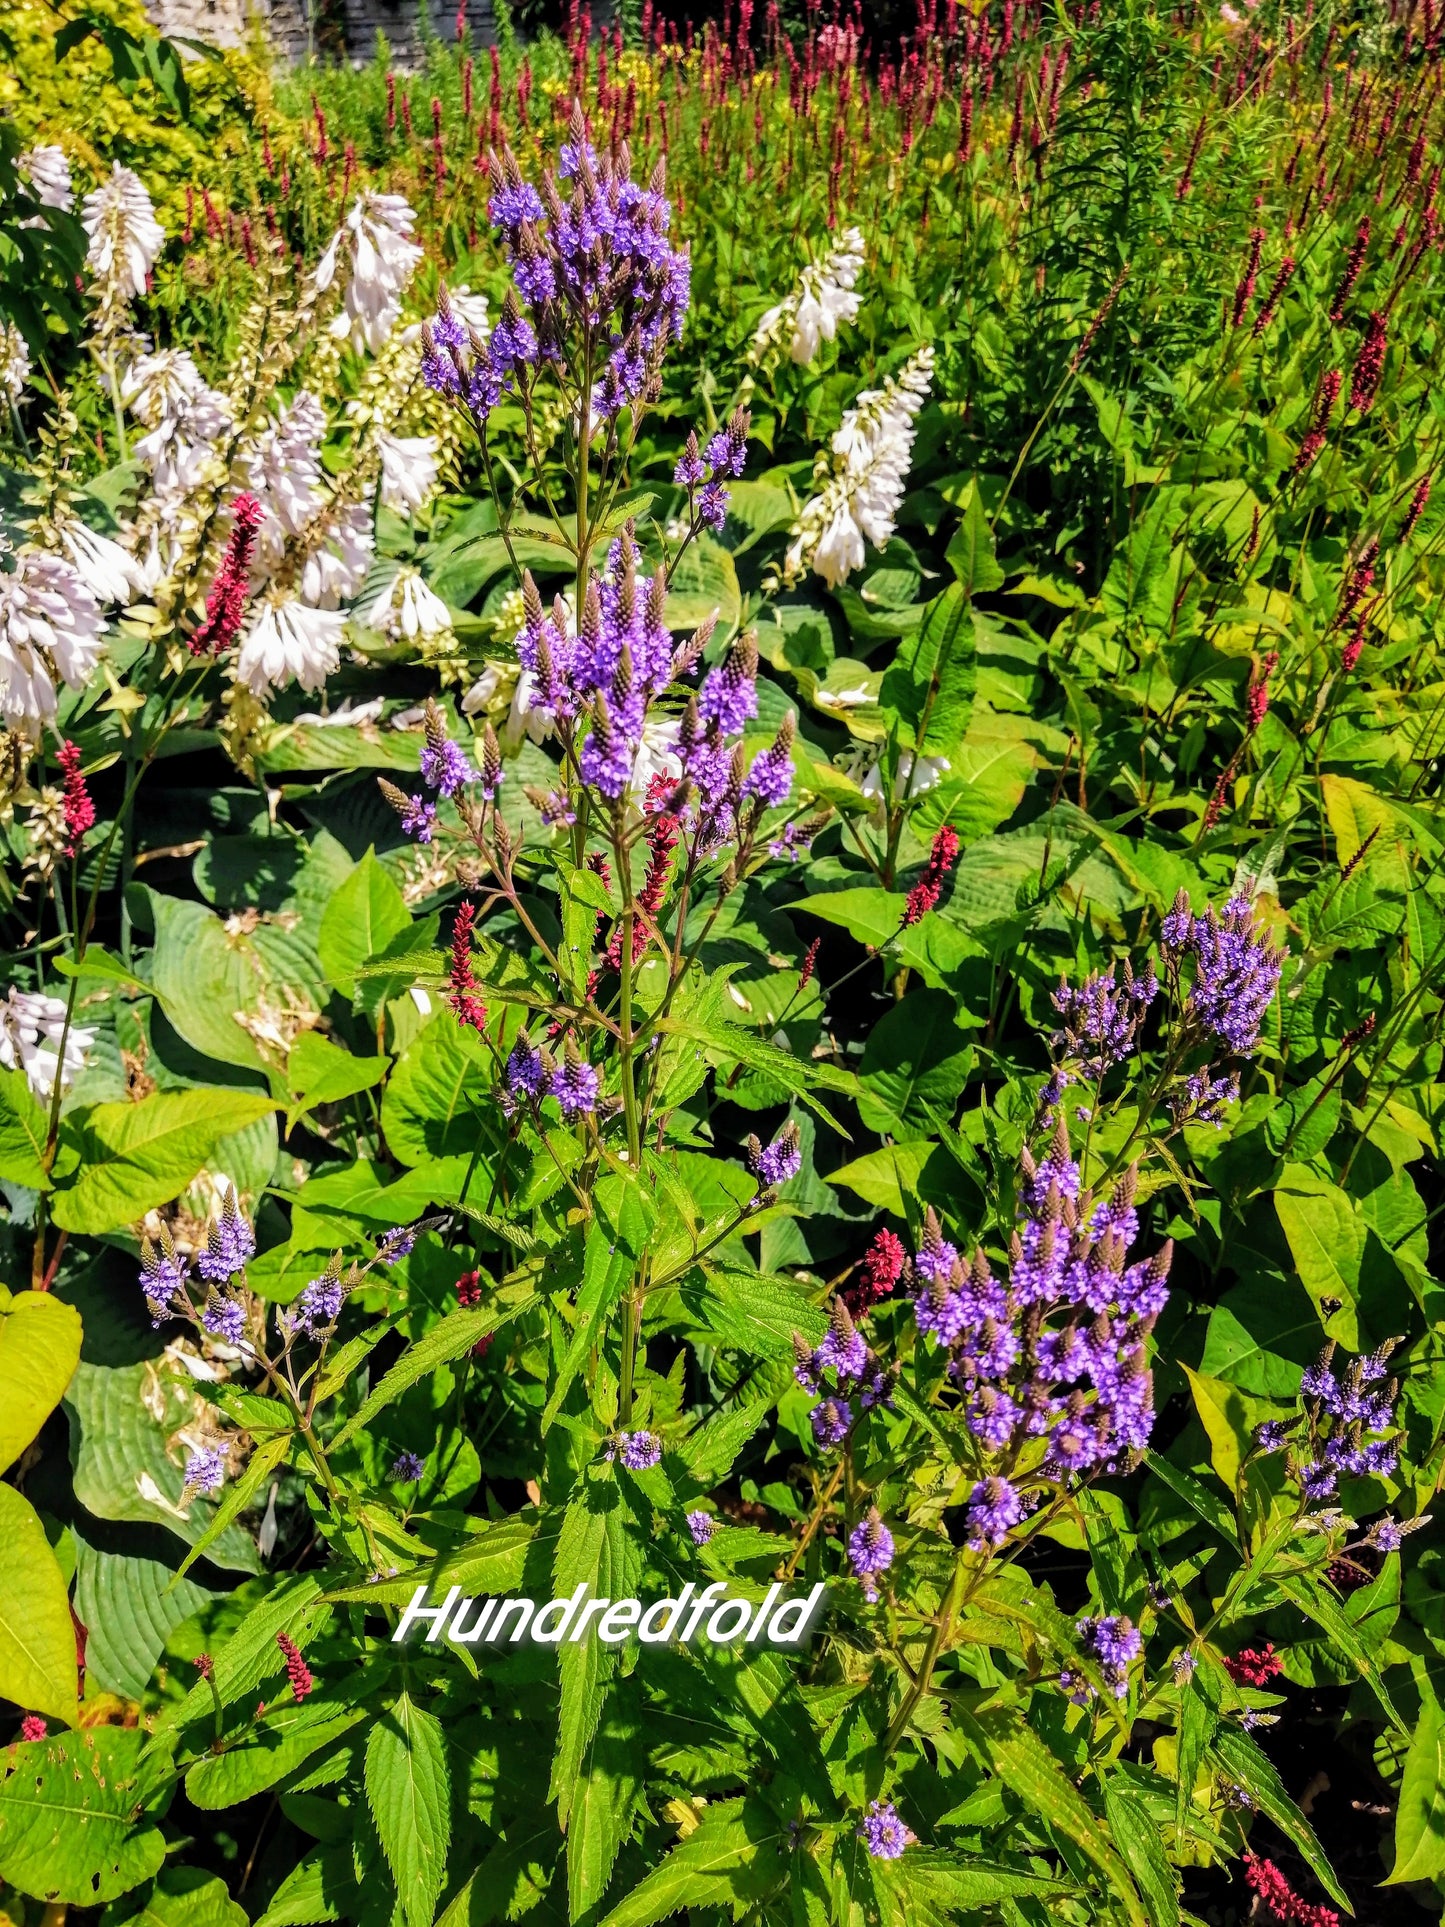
721 762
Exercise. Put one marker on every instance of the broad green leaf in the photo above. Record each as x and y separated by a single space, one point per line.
131 1606
365 914
1209 1506
316 1889
704 583
1224 1413
188 1897
39 1351
121 1160
209 975
731 1043
1242 1761
737 1854
890 1177
127 1467
408 1789
1326 1236
23 1128
954 1883
319 1073
69 1826
37 1637
439 1094
1420 1814
930 683
916 1056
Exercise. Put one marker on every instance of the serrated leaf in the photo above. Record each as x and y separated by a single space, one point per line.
1317 1604
735 1855
408 1789
39 1351
1242 1761
457 1333
1420 1814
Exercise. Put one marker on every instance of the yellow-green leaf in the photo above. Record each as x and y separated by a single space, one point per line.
39 1351
37 1638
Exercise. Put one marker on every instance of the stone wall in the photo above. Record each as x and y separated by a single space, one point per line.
224 23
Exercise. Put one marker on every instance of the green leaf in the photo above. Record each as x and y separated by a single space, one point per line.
1241 1760
434 1096
241 1493
930 683
319 1073
131 1607
1313 1600
37 1638
39 1351
1326 1236
408 1789
124 1420
293 1606
188 1897
457 1333
1136 1834
1420 1814
70 1829
736 1855
889 1177
365 914
601 1815
1024 1763
1209 1506
970 552
273 1749
731 1043
121 1160
616 1240
23 1128
593 1546
915 1057
704 583
207 976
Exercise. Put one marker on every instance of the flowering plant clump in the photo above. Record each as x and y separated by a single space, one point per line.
723 788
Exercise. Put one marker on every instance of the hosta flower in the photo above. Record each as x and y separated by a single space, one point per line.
284 471
184 419
31 1027
125 240
103 565
409 469
50 632
861 498
341 550
376 239
290 642
47 172
824 296
406 607
14 361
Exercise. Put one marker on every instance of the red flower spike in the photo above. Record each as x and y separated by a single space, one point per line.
464 995
79 810
879 1271
925 894
297 1671
1280 1899
32 1727
810 963
226 603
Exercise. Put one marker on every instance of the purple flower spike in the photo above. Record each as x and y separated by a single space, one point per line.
994 1508
230 1242
638 1451
575 1086
870 1550
206 1470
406 1468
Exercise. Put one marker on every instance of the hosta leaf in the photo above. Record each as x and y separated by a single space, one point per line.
121 1160
37 1636
39 1351
70 1829
131 1606
123 1420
